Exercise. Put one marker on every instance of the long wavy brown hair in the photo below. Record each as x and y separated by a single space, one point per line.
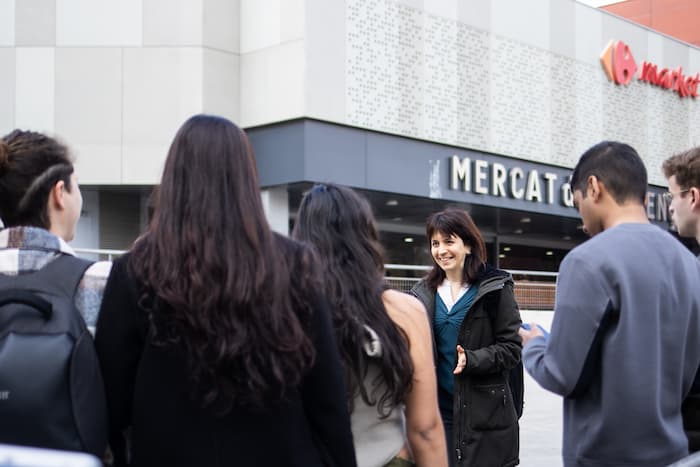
216 281
339 223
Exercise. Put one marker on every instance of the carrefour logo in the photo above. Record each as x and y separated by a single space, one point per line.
620 66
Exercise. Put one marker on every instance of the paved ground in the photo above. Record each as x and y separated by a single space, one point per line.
540 425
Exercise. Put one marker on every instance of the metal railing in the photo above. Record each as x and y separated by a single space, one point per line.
98 253
529 293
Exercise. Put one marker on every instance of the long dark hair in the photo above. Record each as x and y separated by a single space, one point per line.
216 280
457 222
340 225
30 165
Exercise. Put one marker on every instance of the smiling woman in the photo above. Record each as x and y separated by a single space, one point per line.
475 322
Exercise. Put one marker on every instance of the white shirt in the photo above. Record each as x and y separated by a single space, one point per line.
445 293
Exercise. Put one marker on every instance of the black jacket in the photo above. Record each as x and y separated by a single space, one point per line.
148 391
486 432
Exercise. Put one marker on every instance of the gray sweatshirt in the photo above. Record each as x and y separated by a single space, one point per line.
624 347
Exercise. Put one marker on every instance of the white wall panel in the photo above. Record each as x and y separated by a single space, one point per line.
34 98
35 22
292 22
260 24
526 22
7 23
99 23
222 25
172 22
221 84
162 88
325 42
273 84
7 90
589 34
89 110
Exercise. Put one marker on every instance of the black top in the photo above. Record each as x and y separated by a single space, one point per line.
148 390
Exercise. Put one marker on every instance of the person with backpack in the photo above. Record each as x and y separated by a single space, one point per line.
475 322
51 392
383 335
214 336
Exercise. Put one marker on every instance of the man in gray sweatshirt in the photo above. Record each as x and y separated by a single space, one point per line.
623 348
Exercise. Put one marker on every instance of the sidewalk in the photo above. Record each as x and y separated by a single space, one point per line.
541 423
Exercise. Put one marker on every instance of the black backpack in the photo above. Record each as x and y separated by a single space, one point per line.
51 390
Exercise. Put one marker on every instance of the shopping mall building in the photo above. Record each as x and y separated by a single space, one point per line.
486 105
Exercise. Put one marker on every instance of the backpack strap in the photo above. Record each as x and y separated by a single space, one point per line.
60 276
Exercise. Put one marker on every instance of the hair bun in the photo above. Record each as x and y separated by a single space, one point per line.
4 156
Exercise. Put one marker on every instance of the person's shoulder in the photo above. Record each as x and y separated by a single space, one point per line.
490 274
99 270
400 299
288 246
404 309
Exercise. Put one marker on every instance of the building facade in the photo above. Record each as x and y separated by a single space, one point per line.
418 104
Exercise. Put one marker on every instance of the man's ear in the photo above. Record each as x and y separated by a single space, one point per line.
594 188
56 196
694 194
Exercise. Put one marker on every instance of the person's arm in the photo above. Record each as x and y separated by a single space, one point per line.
324 396
88 297
562 362
119 344
506 350
424 429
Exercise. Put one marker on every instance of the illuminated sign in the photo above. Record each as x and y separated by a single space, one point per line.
491 178
620 67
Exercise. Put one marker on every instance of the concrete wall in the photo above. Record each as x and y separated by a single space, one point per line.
115 79
521 79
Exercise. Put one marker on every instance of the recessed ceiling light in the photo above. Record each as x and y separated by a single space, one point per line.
566 237
501 255
525 220
506 248
518 231
397 219
408 239
392 202
549 253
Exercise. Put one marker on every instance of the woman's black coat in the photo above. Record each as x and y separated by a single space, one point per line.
486 432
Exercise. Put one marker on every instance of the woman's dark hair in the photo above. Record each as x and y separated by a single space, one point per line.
30 165
617 166
217 283
339 223
454 221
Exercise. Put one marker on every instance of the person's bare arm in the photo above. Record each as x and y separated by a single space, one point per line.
424 430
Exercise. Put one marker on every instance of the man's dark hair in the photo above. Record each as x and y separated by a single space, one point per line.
617 166
30 165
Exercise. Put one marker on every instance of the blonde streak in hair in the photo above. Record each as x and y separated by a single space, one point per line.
37 183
